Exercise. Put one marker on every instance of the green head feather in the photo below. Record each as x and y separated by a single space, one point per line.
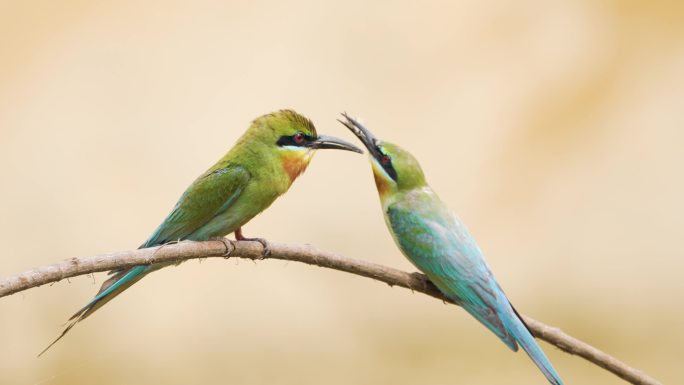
288 130
398 167
394 168
269 128
287 122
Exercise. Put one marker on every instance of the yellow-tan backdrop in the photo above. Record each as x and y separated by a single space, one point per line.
554 128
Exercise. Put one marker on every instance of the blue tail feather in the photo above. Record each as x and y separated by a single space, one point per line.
127 278
522 335
120 281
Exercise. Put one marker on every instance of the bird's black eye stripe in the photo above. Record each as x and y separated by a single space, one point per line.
386 163
295 140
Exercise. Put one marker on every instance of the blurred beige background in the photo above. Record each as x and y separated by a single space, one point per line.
554 129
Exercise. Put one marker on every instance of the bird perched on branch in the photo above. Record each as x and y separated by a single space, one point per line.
439 245
262 165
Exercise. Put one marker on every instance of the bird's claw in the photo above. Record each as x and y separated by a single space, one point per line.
264 244
228 244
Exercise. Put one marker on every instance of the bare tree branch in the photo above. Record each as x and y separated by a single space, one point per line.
300 253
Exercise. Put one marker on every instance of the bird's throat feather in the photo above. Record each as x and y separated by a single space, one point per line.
295 162
381 182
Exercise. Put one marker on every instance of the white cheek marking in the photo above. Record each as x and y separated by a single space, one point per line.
294 149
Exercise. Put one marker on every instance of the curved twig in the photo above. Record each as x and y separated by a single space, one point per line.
299 253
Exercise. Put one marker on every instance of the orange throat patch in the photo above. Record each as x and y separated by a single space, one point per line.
295 162
381 182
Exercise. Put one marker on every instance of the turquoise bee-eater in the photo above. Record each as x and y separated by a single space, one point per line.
262 165
439 245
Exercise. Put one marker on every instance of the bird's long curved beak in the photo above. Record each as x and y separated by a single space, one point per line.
331 142
361 132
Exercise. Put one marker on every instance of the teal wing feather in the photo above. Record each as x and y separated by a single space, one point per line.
208 196
440 246
433 238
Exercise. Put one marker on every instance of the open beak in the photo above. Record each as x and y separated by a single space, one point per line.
325 141
366 137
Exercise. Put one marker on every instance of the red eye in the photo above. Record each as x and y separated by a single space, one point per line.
385 160
298 138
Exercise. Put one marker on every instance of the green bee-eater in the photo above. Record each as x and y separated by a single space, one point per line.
262 165
438 244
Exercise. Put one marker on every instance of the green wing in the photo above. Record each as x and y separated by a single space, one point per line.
208 196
